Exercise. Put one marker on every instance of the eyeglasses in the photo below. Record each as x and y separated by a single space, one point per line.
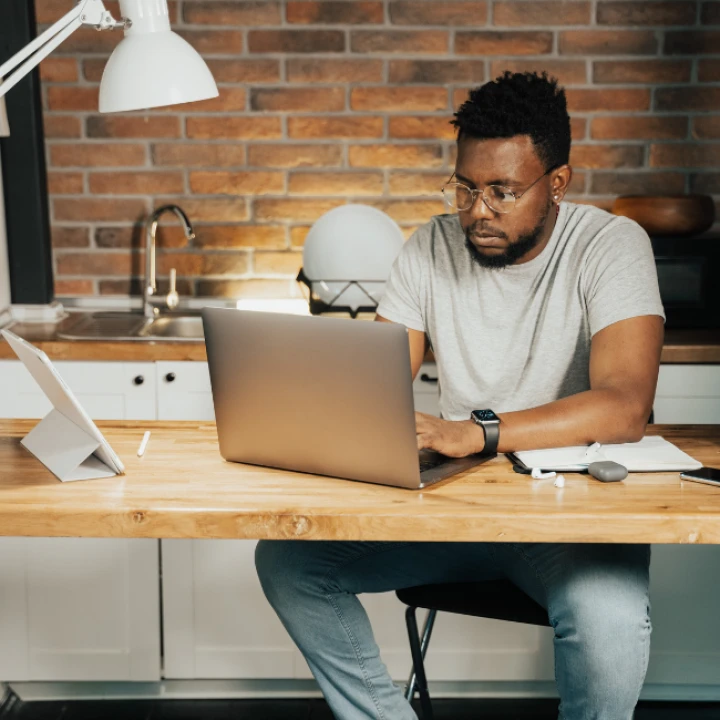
498 198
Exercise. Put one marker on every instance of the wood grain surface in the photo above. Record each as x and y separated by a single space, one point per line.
182 488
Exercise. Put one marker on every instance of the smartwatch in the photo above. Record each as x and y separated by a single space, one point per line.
490 423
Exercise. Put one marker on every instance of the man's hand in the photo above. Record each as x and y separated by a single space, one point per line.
451 438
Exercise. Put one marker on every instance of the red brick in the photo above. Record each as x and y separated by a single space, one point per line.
247 288
310 70
104 209
197 264
329 12
244 71
707 183
637 127
230 99
536 13
298 99
96 155
65 183
49 11
89 40
615 99
608 42
710 13
234 236
707 127
415 211
237 183
568 72
93 69
418 42
212 210
436 71
298 235
127 126
214 42
296 41
646 13
399 98
578 128
503 43
413 183
61 126
244 14
69 237
637 183
687 98
302 209
396 156
692 42
439 13
641 71
335 184
282 263
167 236
97 263
63 97
128 286
136 183
198 155
421 127
606 156
65 288
285 155
59 69
322 128
685 155
234 128
709 70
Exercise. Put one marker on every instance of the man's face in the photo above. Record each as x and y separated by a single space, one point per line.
496 239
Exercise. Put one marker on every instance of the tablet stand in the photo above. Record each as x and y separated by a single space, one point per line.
65 449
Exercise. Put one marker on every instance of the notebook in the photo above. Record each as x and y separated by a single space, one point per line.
651 454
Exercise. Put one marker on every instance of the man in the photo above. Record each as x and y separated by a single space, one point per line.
549 314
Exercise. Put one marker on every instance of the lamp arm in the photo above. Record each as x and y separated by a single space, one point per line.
86 12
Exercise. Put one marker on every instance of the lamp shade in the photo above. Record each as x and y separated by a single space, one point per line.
152 66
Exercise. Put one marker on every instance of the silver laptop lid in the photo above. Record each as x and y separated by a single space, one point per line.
319 395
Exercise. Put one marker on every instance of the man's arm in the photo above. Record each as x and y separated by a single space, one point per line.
624 363
418 346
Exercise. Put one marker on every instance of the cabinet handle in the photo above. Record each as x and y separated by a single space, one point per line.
139 380
170 377
426 378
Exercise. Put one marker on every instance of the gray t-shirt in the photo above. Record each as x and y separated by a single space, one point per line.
518 337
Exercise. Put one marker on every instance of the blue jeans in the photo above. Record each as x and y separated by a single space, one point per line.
596 597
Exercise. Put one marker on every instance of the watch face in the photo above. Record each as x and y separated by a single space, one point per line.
485 415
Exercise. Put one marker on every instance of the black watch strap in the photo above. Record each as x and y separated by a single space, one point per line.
490 423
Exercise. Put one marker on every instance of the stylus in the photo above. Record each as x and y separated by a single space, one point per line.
143 443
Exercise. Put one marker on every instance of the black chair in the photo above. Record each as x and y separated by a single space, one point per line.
497 599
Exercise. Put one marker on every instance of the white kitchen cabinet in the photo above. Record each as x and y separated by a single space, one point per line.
107 390
80 608
183 391
688 394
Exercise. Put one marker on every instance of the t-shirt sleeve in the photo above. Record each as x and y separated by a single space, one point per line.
620 279
403 298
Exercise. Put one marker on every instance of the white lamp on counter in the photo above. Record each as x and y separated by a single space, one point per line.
151 67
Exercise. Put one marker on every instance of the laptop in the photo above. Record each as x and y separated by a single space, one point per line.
326 396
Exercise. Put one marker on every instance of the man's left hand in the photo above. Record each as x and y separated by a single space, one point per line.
449 437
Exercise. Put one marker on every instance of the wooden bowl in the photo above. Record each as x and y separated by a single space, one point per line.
668 215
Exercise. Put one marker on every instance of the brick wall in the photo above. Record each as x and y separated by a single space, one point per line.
324 103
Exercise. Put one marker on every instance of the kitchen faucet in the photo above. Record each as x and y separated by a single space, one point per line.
150 307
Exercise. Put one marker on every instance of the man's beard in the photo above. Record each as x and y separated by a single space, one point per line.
523 245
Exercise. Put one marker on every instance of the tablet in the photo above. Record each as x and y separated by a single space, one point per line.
64 401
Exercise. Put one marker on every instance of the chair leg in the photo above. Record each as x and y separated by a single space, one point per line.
418 648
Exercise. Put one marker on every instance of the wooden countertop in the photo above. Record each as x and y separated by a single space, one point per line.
681 346
182 488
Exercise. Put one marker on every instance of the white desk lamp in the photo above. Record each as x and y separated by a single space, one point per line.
151 67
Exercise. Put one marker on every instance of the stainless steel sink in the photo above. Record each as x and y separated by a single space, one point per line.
127 326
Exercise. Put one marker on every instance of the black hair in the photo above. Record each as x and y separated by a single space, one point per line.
519 104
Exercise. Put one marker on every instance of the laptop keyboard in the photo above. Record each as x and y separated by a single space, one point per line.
430 464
